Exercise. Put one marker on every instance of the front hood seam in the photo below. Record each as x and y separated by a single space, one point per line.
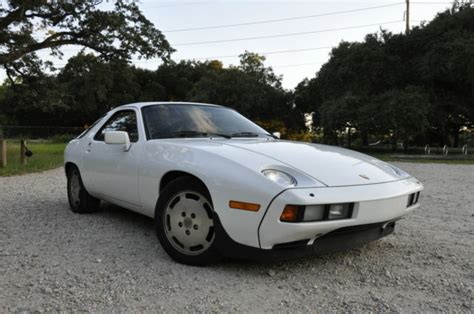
345 186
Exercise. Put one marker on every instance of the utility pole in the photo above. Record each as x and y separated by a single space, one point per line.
407 17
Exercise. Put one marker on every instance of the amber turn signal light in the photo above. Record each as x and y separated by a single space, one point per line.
290 213
244 206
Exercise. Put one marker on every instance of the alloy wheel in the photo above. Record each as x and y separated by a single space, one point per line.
188 223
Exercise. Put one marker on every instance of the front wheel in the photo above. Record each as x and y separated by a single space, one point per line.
80 201
184 222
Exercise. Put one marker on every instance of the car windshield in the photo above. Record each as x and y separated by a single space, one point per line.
184 120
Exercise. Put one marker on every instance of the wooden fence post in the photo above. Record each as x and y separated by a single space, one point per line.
3 153
22 152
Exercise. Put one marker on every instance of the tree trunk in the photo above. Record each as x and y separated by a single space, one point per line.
394 142
349 138
405 145
456 137
365 138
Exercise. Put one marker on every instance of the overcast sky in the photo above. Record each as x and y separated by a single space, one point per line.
294 66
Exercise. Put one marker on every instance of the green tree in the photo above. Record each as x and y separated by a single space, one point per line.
339 115
445 67
179 78
94 87
434 60
251 88
33 102
233 88
117 33
401 114
253 64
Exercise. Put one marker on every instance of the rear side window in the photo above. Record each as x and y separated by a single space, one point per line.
125 120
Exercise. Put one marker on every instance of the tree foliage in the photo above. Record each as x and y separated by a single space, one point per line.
251 88
113 34
398 113
415 86
412 89
87 87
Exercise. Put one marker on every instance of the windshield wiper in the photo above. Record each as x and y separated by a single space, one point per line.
250 134
190 133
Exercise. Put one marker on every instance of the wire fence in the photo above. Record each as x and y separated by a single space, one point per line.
418 150
39 132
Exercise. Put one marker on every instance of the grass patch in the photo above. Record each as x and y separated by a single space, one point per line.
46 155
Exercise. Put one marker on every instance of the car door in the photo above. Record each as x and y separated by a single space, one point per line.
110 170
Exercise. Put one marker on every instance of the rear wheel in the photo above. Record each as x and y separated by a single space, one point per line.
80 201
184 222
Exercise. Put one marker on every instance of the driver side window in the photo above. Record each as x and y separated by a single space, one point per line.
125 120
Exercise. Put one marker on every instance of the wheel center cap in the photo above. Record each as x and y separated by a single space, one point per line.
188 222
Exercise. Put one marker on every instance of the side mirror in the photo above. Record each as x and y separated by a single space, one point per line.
277 134
118 137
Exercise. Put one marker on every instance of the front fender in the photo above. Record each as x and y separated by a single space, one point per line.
229 174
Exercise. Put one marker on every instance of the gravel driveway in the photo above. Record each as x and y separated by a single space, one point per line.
52 259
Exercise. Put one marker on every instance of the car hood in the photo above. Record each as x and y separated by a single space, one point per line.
332 166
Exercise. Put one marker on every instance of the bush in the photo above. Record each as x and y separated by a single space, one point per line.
301 136
62 138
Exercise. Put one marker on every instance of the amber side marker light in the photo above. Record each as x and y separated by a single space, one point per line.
290 213
244 206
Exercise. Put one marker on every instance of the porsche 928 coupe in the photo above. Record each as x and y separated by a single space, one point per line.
217 184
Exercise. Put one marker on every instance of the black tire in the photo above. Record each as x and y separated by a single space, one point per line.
80 201
208 254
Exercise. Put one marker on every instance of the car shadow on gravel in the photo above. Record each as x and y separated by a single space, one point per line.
124 216
126 219
343 265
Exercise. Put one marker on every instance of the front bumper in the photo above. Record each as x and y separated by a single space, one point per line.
337 240
374 204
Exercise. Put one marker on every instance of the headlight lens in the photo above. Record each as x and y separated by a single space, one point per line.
392 169
279 177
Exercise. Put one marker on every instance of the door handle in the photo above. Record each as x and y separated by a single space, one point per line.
89 147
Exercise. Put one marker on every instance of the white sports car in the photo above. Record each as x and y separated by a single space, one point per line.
217 184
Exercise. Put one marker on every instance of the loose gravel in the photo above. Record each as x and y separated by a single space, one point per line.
54 260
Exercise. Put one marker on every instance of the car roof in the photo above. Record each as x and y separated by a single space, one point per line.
139 105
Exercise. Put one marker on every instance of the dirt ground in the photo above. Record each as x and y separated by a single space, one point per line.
54 260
